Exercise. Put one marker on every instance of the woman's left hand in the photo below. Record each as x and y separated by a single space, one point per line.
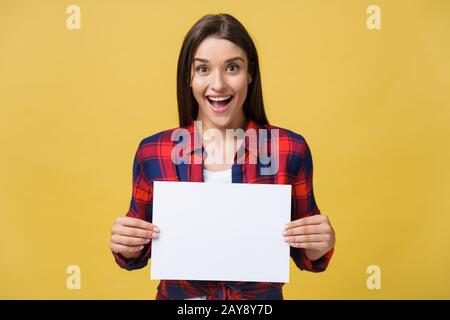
314 234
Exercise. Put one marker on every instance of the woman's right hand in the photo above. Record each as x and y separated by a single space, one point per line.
129 235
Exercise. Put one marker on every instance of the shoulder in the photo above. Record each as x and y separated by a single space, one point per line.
156 144
289 141
294 152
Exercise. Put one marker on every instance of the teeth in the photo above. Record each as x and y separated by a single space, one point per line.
219 98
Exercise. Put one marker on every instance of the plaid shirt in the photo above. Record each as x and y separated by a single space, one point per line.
153 162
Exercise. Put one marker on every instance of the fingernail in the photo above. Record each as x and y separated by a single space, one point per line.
154 235
147 240
285 232
286 239
156 229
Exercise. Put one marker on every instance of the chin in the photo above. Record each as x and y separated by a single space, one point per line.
218 120
224 122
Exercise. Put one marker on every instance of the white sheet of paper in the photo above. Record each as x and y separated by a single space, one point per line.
220 231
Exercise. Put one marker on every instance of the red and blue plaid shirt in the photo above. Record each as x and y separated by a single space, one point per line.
153 161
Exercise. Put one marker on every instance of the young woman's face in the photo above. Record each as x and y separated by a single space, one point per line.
219 81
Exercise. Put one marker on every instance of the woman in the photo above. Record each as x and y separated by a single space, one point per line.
219 88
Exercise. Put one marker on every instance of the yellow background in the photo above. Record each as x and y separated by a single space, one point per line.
373 105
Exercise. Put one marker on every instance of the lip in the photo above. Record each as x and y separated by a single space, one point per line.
221 109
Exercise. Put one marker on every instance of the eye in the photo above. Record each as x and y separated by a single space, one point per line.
202 69
233 67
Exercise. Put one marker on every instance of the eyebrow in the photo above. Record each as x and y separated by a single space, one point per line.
228 60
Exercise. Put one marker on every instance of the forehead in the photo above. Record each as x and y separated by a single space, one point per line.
217 50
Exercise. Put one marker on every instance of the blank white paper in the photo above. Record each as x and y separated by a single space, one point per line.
220 231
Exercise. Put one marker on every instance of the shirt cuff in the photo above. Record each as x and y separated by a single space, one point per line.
318 265
134 263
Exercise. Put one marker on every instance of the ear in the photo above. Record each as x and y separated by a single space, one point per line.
250 70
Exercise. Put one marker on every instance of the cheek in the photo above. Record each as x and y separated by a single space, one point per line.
198 87
240 87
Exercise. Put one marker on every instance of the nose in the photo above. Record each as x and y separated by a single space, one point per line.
218 83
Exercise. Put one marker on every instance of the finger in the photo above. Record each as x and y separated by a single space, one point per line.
119 248
136 223
132 232
307 238
309 245
312 220
128 241
310 229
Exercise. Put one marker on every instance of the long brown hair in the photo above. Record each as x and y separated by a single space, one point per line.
222 26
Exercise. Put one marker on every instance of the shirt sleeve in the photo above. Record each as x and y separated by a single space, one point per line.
140 207
304 204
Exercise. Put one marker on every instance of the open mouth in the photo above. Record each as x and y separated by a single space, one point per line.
219 103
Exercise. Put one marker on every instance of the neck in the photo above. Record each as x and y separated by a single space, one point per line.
237 123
